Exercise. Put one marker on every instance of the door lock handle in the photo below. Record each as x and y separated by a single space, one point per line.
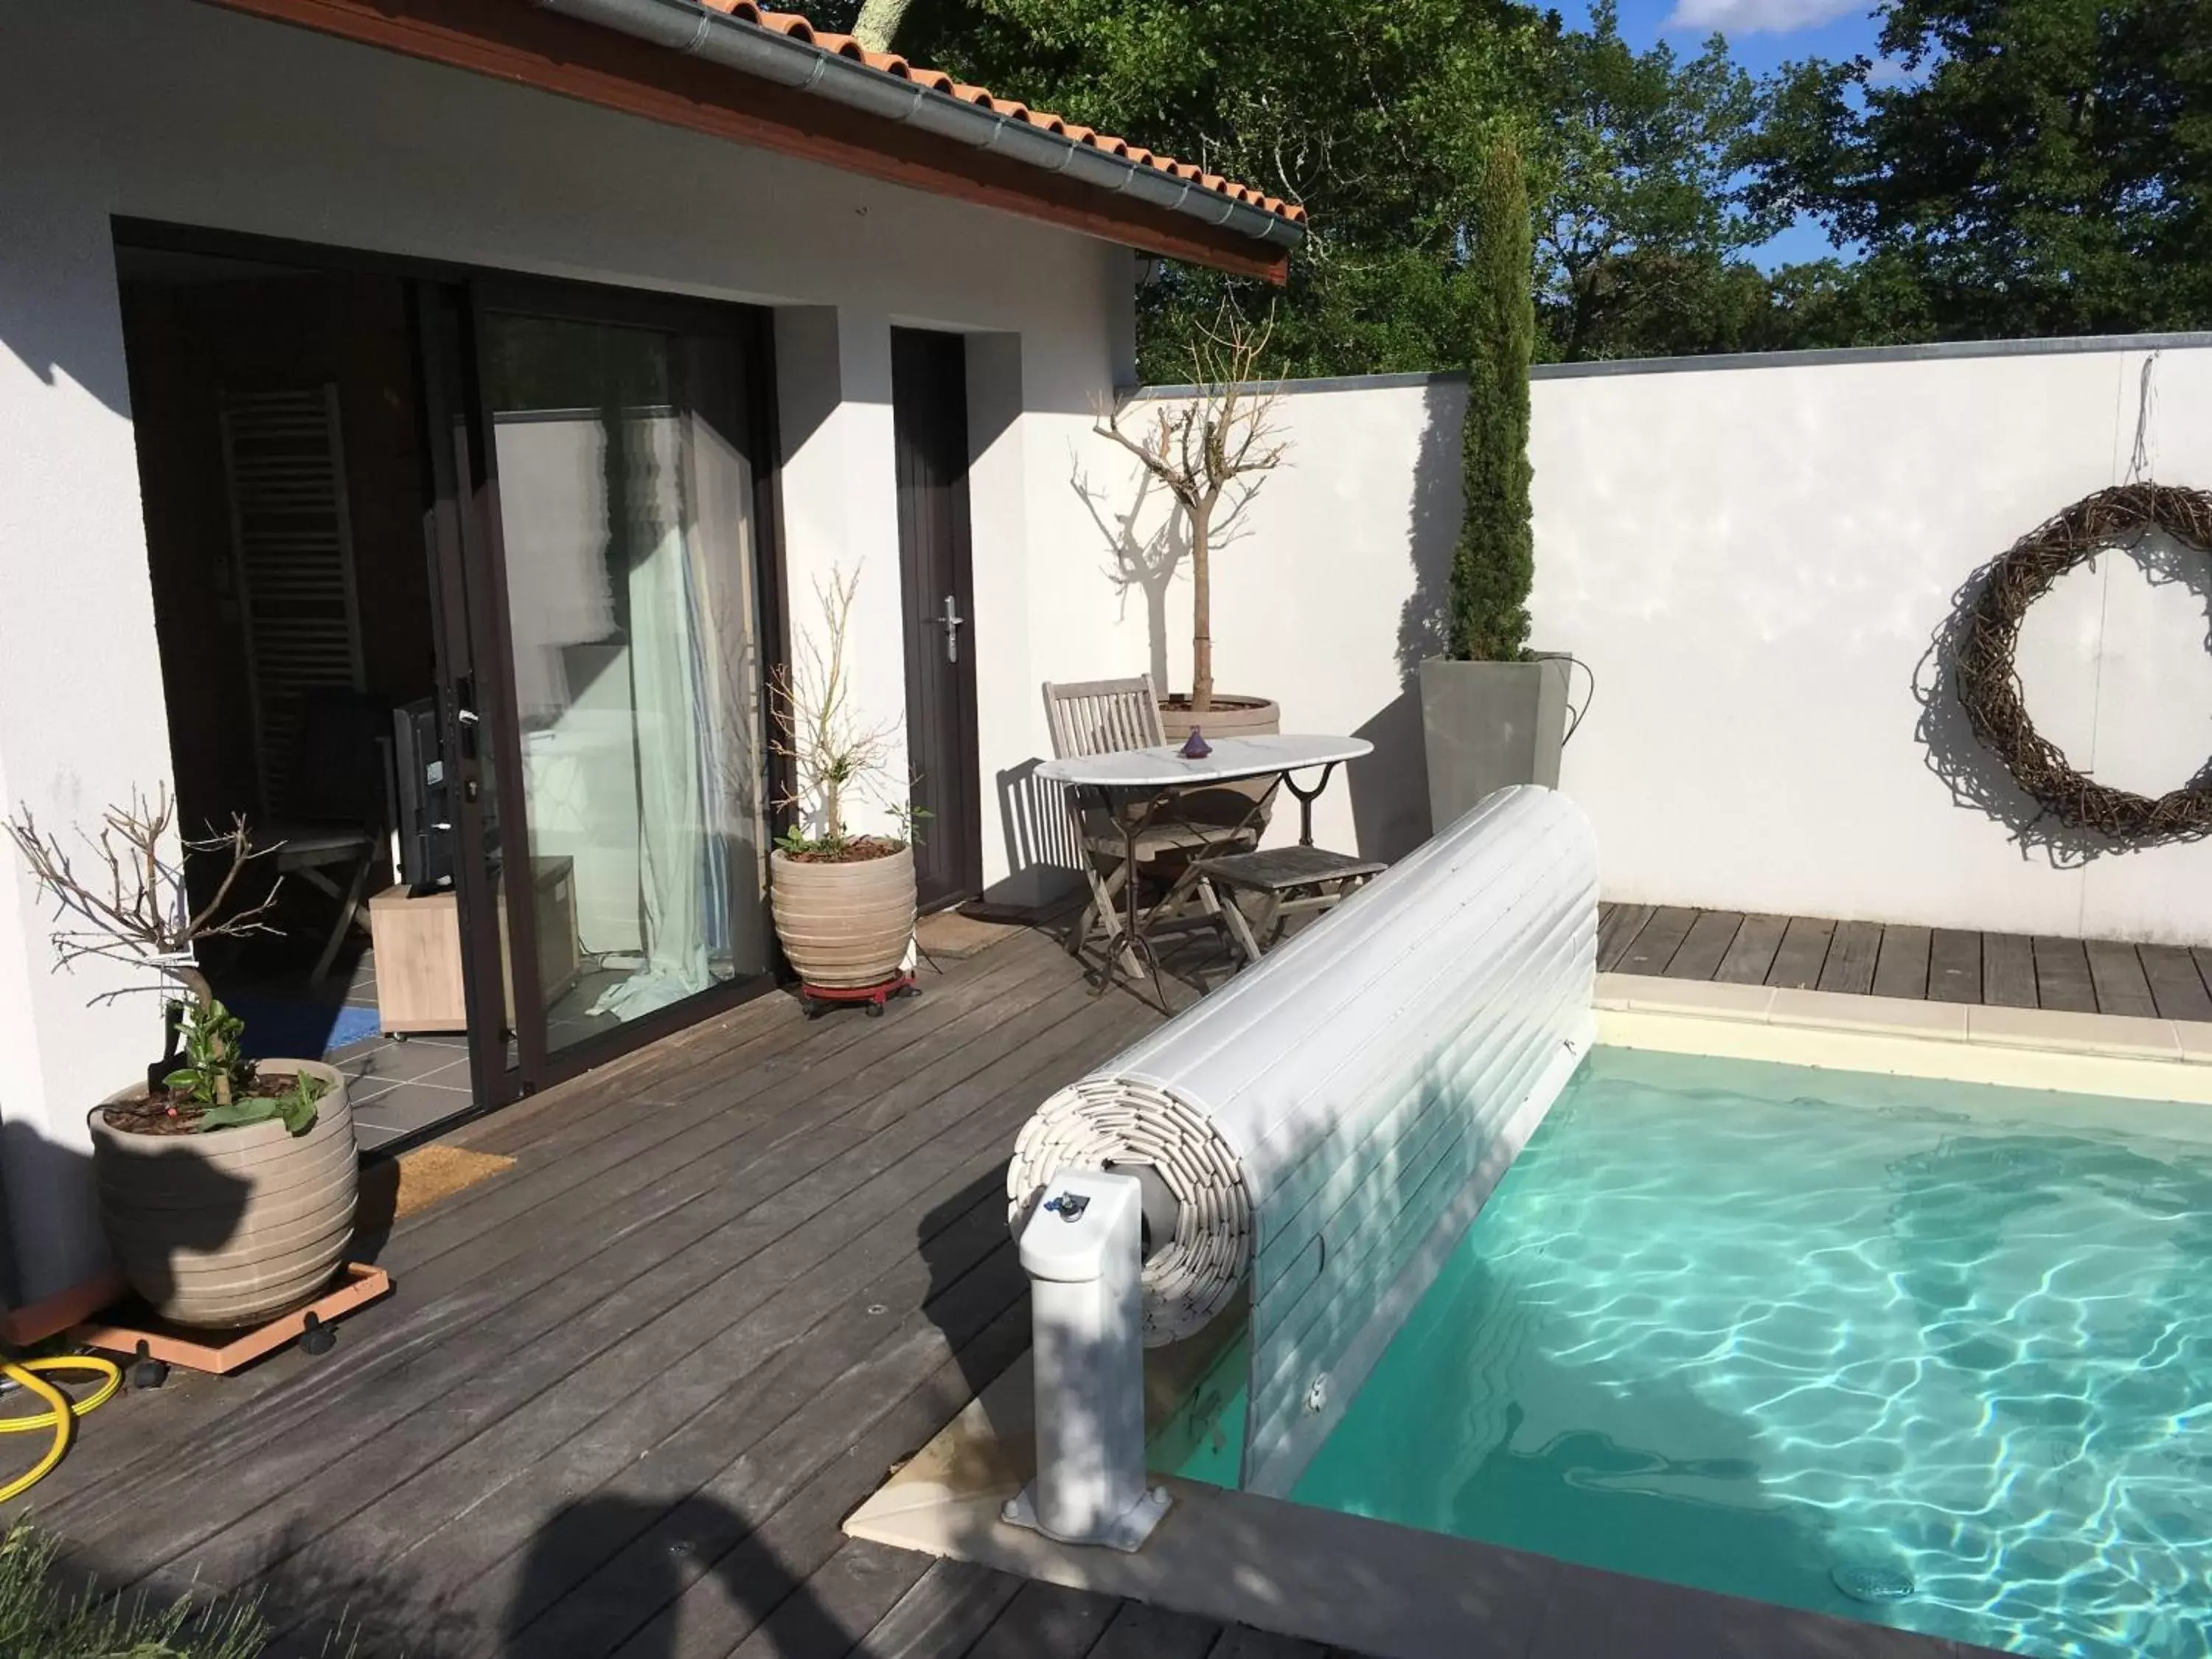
951 622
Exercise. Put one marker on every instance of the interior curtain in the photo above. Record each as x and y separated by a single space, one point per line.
675 886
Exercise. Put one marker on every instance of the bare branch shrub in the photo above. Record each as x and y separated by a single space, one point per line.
829 745
130 905
1216 445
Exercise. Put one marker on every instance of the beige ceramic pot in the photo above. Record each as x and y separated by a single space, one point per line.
233 1227
843 924
1229 717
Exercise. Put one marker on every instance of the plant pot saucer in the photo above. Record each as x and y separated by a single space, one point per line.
817 999
136 1331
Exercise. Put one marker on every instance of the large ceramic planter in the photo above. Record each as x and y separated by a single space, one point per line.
1486 725
232 1228
847 924
1228 717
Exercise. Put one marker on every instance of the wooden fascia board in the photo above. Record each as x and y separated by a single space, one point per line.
515 41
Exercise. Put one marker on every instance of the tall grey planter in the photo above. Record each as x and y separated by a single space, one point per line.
1486 725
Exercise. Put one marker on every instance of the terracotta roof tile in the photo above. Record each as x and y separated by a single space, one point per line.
793 26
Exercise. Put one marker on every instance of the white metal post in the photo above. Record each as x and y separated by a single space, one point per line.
1082 1249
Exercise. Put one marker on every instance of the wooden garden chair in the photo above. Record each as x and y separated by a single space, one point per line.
1103 717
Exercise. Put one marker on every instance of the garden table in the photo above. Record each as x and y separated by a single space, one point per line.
1152 782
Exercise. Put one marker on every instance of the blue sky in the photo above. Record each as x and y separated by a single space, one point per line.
1762 34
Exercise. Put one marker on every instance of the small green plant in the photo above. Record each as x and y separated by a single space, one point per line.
295 1109
801 843
215 1072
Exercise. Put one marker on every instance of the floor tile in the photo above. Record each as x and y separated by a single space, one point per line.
407 1062
409 1107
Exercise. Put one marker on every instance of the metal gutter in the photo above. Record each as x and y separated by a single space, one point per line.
686 26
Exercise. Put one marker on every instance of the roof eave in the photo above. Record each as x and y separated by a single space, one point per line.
685 66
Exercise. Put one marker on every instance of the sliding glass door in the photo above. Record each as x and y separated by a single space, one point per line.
624 438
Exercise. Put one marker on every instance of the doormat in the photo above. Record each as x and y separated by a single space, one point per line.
392 1189
948 935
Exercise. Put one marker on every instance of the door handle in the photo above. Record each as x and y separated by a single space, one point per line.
950 622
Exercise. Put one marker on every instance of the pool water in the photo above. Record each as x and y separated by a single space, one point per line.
1765 1330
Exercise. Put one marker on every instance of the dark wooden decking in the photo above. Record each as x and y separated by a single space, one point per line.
626 1392
2093 976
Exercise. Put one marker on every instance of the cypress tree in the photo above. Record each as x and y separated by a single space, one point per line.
1495 563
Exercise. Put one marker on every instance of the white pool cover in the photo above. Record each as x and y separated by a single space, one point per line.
1331 1120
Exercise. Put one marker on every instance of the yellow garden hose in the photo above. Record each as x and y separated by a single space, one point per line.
61 1412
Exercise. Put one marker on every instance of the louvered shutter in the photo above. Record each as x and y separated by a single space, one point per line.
292 542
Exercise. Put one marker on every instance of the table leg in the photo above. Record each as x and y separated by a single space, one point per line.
1306 798
1127 950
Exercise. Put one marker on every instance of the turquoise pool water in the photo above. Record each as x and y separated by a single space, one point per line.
1744 1327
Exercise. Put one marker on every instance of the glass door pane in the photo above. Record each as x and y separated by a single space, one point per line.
625 496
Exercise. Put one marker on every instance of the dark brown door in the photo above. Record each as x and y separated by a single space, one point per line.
455 526
929 419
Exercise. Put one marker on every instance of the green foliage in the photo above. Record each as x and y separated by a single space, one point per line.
2009 168
1495 561
800 842
1641 215
1373 114
296 1109
2036 167
215 1069
37 1622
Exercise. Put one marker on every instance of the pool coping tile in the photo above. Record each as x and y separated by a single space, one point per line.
1890 1016
2127 1035
2014 1048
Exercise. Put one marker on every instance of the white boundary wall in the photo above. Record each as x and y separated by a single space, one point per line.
1755 556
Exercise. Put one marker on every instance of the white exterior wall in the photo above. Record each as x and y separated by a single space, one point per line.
1754 561
1319 586
185 114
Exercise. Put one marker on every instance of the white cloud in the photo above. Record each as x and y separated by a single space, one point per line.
1750 16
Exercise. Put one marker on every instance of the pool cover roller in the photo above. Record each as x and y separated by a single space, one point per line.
1328 1123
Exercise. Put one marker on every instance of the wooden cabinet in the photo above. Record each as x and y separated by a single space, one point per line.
418 951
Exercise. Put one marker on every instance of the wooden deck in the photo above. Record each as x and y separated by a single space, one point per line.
2093 976
625 1393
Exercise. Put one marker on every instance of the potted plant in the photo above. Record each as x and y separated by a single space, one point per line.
843 903
226 1185
1211 451
1494 712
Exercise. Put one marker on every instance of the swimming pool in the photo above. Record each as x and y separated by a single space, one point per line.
1775 1332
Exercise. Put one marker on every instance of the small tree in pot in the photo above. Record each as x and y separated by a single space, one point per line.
1212 451
843 902
227 1186
1491 714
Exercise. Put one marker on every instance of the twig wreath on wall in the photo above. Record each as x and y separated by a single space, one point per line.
1989 686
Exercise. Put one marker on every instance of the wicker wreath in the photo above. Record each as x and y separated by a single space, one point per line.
1989 687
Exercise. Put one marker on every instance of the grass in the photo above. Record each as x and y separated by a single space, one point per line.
38 1620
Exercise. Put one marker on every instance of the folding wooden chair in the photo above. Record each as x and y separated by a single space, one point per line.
1103 717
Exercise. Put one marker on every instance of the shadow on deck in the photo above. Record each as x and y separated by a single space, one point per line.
625 1392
